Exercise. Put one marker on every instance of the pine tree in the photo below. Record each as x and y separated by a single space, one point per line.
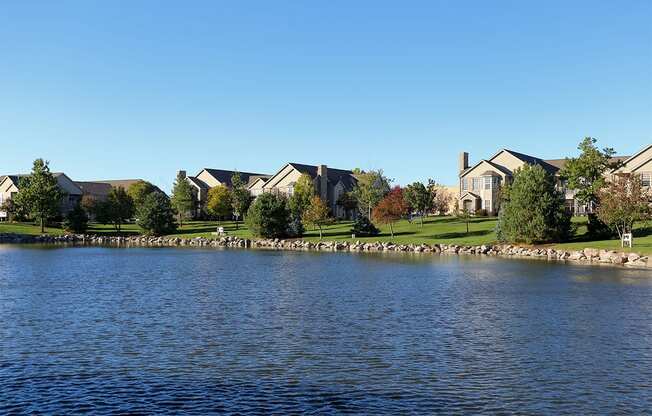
182 199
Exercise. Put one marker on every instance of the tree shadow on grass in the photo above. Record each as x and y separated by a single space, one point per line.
453 220
461 234
587 238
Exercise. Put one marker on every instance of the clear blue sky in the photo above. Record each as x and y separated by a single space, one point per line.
122 89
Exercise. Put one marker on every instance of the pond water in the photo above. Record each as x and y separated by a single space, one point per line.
207 331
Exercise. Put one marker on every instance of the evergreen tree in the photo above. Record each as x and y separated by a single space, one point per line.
39 193
182 199
363 227
76 220
532 210
155 215
269 216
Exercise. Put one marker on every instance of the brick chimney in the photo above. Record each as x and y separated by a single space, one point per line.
322 177
463 161
182 173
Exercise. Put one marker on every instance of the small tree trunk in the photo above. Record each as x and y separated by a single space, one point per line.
320 232
467 225
42 225
391 229
422 214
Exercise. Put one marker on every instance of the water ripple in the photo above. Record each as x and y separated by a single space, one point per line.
141 331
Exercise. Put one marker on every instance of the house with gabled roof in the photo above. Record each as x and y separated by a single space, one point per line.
480 184
10 186
208 178
330 183
638 164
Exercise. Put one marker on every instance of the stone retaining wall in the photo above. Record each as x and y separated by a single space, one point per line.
588 255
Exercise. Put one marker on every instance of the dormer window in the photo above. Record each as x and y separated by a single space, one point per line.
646 179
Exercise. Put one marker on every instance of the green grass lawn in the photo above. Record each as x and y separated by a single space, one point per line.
444 230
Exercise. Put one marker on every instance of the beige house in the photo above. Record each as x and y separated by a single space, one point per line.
639 164
330 183
210 178
10 186
480 184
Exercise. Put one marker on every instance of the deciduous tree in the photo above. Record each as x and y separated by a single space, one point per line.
441 198
139 190
391 208
586 174
118 207
317 214
240 197
370 189
623 202
39 193
219 202
302 194
419 199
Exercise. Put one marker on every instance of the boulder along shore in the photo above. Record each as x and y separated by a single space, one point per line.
586 256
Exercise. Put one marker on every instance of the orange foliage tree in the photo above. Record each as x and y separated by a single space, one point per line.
391 208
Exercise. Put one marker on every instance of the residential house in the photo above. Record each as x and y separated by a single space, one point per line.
210 178
480 184
639 164
330 184
10 186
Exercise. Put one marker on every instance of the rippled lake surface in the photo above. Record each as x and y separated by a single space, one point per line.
104 330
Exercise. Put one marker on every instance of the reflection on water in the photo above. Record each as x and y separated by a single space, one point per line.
145 330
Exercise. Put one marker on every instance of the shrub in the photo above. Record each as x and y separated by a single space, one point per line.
532 210
295 227
155 215
363 227
76 220
269 216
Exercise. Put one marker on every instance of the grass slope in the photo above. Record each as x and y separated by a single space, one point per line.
445 230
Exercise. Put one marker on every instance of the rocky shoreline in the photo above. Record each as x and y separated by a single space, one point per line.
587 255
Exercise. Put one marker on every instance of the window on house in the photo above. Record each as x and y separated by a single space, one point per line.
487 204
477 184
496 182
464 187
646 179
487 182
290 190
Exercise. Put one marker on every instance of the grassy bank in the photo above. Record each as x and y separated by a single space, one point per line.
445 230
